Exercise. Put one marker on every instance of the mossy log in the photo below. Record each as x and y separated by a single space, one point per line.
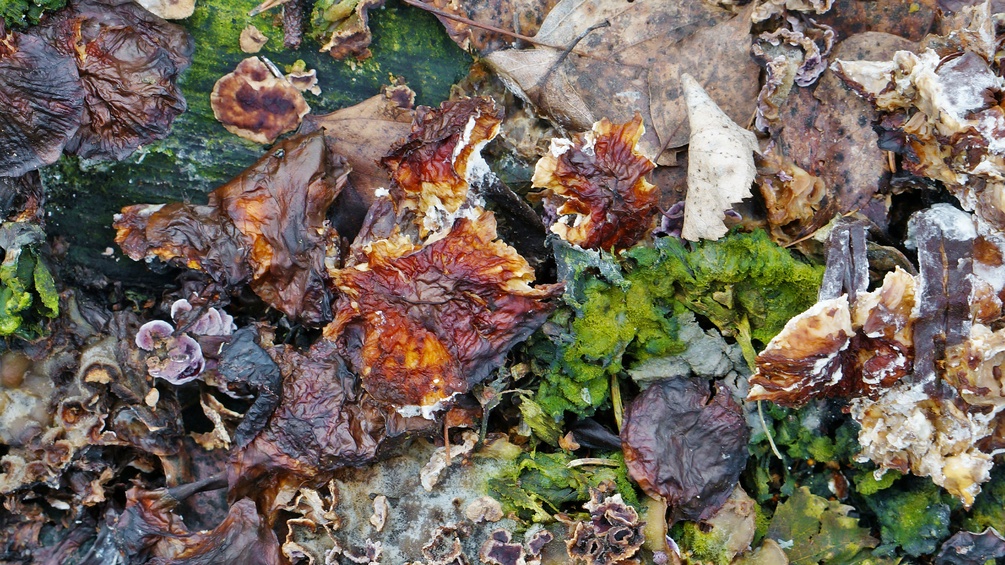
199 155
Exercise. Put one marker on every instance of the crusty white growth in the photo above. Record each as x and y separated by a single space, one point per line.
720 164
907 430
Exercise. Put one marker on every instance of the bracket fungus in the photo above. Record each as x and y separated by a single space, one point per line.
256 103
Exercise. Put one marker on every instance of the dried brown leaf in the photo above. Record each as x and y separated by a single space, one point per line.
633 64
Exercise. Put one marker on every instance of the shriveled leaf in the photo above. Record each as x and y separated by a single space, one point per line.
420 324
595 187
686 444
970 548
41 103
628 58
323 422
266 227
129 62
720 164
814 530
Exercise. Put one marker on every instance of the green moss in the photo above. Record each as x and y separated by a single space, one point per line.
28 296
537 485
620 313
701 548
913 516
867 484
21 13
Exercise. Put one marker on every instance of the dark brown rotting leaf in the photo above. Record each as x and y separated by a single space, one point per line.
129 61
687 444
910 20
41 103
828 133
628 58
324 421
364 134
266 227
521 16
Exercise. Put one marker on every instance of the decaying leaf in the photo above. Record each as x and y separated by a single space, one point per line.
255 104
910 20
814 530
323 422
266 227
720 164
433 168
420 324
627 58
686 444
521 16
129 61
364 134
595 187
41 103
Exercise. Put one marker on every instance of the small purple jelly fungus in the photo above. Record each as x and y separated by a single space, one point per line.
183 362
212 322
151 334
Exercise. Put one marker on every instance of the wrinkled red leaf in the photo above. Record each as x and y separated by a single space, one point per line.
420 324
686 444
596 186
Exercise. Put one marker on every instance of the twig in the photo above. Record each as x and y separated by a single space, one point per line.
443 13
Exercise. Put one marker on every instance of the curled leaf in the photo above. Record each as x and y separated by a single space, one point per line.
129 61
687 444
595 186
720 164
420 324
266 226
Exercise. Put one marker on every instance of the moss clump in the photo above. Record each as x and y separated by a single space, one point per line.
626 311
21 13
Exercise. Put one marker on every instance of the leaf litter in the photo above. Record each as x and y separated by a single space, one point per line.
375 350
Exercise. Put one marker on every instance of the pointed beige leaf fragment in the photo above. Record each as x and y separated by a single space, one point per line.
720 164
